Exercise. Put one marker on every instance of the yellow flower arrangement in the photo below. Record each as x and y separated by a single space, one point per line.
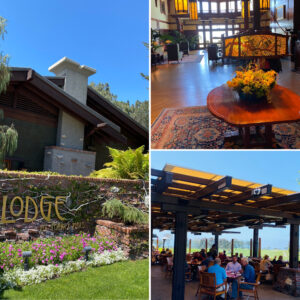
253 82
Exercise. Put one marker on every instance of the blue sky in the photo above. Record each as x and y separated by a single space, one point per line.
279 168
105 35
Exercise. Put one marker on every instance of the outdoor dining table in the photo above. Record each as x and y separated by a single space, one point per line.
225 104
233 275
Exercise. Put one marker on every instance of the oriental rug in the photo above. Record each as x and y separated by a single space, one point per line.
196 128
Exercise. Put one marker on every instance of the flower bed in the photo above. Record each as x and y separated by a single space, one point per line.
52 251
38 274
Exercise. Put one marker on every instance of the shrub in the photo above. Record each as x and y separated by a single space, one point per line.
129 164
115 209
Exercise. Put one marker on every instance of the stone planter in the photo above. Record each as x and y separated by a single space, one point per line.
288 281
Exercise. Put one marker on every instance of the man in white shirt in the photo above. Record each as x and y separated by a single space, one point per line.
233 266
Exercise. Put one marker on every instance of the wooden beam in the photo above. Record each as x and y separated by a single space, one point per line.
278 201
179 261
213 188
252 194
171 204
294 246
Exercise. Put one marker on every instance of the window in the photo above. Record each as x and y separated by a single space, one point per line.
251 5
205 8
200 27
236 26
201 37
198 6
223 7
231 6
207 26
239 6
207 36
219 26
214 7
230 32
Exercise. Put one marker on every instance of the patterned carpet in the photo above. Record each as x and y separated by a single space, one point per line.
196 128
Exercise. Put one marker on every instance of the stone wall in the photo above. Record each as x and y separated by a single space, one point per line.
87 193
288 281
132 239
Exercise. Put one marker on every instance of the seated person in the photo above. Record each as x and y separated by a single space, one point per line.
206 261
220 274
249 276
279 261
163 251
265 265
168 251
213 251
203 254
234 266
222 256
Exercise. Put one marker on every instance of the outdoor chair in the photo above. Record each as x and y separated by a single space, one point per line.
209 287
276 269
201 269
184 47
251 293
188 273
174 53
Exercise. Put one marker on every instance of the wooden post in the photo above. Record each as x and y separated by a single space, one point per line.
232 247
251 248
179 260
217 242
294 246
259 247
256 9
246 14
190 246
206 246
255 242
157 244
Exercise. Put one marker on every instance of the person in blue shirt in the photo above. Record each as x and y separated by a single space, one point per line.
249 276
220 274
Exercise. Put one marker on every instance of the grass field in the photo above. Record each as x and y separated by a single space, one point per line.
123 280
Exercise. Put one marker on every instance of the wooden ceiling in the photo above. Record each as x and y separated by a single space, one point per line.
215 203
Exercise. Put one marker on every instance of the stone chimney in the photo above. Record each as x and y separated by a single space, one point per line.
70 131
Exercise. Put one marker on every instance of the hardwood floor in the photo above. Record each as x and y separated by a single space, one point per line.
188 84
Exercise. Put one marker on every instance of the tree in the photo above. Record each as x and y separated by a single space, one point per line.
8 134
139 111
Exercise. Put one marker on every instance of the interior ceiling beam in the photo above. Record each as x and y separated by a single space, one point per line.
213 188
172 204
251 194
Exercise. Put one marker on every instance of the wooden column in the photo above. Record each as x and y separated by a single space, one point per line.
206 246
190 246
251 248
255 242
259 247
246 14
294 246
232 247
217 241
179 256
256 9
157 243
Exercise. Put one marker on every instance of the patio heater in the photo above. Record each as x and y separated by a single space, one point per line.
26 255
255 42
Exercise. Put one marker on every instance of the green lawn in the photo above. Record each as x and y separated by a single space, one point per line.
123 280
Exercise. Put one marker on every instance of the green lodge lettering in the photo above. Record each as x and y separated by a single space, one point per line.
28 206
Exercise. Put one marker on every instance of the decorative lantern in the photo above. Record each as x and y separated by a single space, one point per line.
181 6
193 10
244 3
264 5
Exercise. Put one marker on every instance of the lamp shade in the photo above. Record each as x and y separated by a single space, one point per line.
181 6
264 4
193 10
244 8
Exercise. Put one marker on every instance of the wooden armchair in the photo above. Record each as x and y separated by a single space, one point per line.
209 287
201 269
253 293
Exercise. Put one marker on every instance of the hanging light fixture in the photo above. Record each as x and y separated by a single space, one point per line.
181 6
193 10
264 5
244 3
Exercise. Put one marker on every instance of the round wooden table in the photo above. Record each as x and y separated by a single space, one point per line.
225 104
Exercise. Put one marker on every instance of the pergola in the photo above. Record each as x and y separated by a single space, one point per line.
189 200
